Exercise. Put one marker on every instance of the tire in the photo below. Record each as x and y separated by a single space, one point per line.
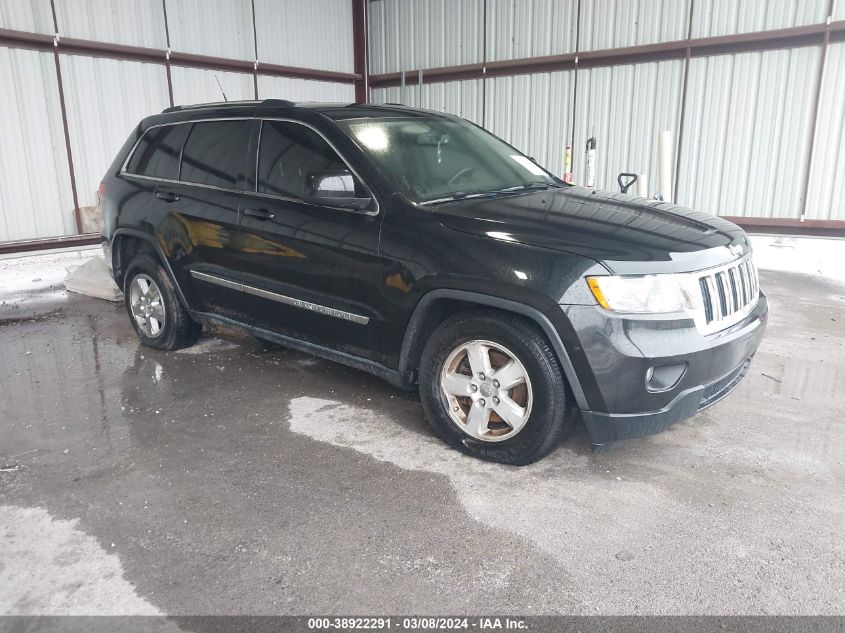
539 409
176 329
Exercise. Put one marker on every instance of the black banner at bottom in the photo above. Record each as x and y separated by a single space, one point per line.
514 624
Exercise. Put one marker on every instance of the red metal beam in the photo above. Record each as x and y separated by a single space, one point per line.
359 44
798 36
91 48
787 226
27 246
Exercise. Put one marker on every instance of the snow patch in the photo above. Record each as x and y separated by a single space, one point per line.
50 567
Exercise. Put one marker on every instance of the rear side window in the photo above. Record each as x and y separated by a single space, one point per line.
215 153
157 153
288 153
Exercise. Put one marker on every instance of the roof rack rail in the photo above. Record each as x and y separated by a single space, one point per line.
221 104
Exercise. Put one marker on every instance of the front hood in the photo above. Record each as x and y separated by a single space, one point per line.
625 234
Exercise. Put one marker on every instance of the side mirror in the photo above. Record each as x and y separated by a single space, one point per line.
334 189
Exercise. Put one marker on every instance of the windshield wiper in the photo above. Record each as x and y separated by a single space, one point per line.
462 195
532 185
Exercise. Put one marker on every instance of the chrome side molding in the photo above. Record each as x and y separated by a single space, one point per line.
280 298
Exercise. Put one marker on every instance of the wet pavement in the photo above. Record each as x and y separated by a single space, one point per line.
235 477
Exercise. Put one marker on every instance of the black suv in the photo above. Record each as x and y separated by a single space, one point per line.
419 247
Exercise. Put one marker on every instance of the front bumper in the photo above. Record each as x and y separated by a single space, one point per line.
620 351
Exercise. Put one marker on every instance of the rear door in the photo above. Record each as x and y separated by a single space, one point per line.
311 271
203 213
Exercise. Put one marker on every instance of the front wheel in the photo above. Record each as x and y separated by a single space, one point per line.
491 387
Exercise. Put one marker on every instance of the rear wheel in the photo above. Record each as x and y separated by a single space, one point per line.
154 308
492 388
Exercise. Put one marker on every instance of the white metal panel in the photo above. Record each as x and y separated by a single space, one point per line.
311 34
839 10
221 28
304 90
462 98
409 34
193 85
624 108
34 16
727 17
746 133
35 194
105 100
136 23
618 23
826 195
534 114
530 28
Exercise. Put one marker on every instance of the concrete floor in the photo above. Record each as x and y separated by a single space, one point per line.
235 478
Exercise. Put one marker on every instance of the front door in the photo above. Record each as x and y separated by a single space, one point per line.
310 270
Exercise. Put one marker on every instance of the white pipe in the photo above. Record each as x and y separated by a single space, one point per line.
590 164
642 185
664 163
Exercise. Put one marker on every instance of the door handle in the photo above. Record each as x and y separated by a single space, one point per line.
166 196
260 214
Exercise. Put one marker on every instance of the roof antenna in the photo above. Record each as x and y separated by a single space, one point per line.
217 79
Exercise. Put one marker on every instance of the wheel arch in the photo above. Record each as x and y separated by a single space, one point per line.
438 304
122 253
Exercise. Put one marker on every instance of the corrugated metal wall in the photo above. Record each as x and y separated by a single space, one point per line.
747 126
285 30
530 29
424 34
136 23
35 194
533 113
826 197
726 17
34 16
618 23
456 97
106 98
224 27
747 131
624 108
304 90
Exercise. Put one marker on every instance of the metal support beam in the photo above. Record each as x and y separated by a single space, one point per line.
108 50
27 246
679 147
360 53
65 127
167 54
787 226
793 37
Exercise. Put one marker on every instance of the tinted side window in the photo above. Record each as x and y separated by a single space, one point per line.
215 153
157 153
288 153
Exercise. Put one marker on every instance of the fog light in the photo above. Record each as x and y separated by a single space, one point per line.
664 377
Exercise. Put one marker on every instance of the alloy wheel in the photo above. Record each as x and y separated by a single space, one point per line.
147 305
487 389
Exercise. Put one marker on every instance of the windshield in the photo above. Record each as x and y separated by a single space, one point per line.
438 159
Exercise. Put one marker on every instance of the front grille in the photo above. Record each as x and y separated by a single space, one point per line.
715 391
728 293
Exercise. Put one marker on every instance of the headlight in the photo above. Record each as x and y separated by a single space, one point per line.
653 294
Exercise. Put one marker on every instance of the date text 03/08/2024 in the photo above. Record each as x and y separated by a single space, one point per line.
415 624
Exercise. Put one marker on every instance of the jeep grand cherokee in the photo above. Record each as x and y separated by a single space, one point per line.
419 247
